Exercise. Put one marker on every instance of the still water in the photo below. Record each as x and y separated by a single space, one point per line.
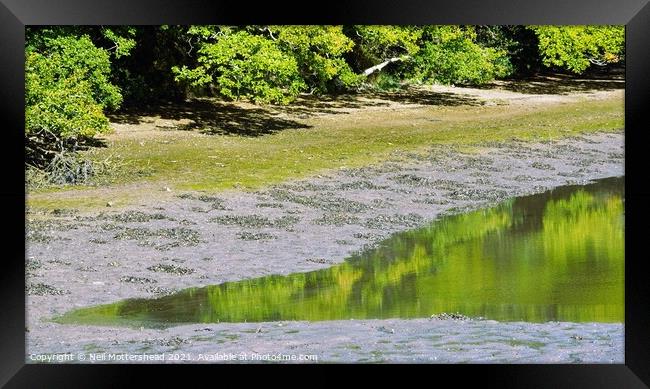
555 256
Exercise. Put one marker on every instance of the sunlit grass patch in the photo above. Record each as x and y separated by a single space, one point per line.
211 163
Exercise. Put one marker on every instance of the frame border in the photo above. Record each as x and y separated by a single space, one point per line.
635 14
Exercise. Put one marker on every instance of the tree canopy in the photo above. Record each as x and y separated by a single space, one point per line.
577 47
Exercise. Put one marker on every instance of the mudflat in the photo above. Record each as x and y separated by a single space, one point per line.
78 259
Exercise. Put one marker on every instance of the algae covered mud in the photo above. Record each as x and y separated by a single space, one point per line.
553 256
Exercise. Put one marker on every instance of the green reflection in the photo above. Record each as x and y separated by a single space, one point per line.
553 256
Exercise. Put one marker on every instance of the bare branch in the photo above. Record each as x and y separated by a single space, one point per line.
189 42
267 29
382 65
597 62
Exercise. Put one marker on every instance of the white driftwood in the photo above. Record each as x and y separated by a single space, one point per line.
597 62
380 66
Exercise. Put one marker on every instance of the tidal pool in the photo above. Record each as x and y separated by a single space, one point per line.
554 256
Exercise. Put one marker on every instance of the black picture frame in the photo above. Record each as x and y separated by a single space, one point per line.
635 14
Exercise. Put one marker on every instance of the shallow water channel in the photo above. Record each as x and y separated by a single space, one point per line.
554 256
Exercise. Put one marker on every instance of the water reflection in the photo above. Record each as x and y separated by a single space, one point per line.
553 256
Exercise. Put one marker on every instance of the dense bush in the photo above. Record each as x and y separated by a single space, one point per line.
520 44
577 47
243 65
375 44
451 56
145 75
319 52
67 89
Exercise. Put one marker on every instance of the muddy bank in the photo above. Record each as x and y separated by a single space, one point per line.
375 341
197 239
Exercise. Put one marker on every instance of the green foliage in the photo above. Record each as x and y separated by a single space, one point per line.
123 41
577 47
145 75
450 55
378 43
67 88
243 65
385 81
118 41
520 44
319 53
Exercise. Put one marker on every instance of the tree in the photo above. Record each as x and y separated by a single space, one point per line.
243 65
378 44
67 91
319 52
520 44
450 55
145 75
576 48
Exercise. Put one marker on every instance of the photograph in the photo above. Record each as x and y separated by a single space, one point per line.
325 194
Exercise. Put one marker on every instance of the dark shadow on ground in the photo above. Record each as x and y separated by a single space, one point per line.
427 97
213 117
87 143
309 105
559 84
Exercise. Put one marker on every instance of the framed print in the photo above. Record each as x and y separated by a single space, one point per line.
431 184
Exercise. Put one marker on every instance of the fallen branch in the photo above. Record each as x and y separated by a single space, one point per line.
382 65
597 62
